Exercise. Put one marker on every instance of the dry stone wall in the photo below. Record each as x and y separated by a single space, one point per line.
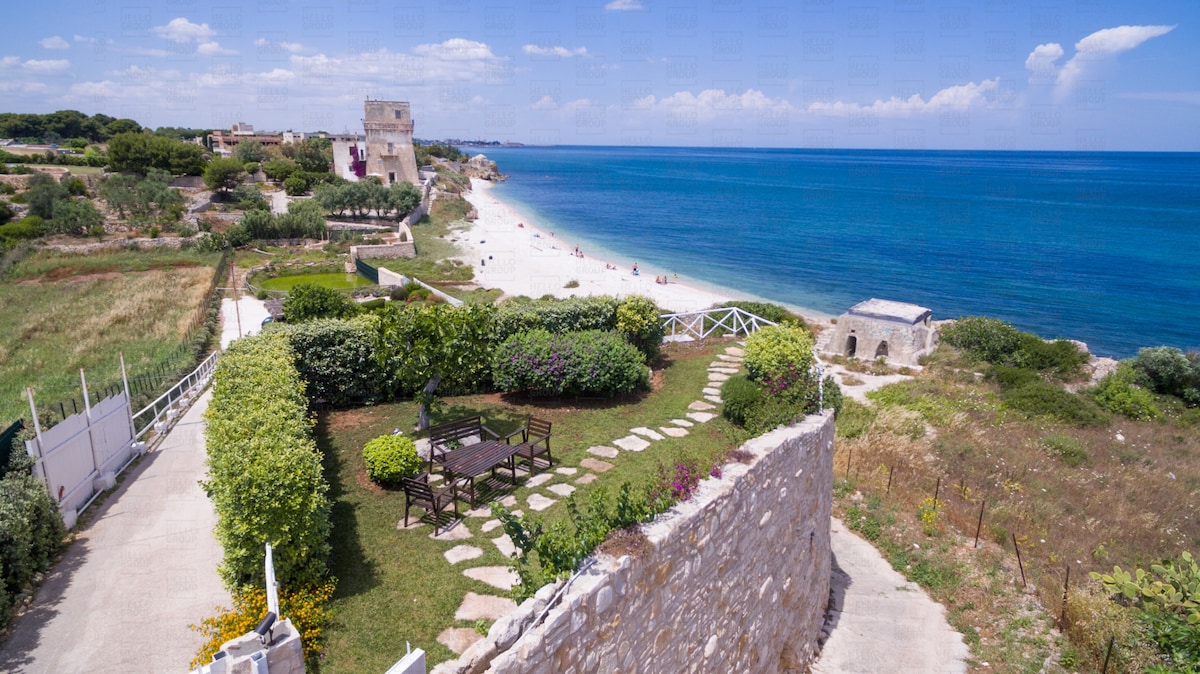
735 580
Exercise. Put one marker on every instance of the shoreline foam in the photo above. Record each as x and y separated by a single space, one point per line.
508 252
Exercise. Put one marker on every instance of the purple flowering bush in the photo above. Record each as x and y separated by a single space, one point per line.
591 362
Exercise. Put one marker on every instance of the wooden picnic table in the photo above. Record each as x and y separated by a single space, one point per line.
466 463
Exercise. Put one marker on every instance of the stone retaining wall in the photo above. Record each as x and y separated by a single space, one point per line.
390 251
735 580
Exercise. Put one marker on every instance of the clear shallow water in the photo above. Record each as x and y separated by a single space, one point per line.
1100 247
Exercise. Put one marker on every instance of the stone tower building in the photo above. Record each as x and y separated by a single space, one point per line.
897 331
389 130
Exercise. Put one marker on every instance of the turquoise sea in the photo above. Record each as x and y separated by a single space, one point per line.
1100 247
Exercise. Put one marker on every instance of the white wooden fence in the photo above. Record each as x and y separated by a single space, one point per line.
693 325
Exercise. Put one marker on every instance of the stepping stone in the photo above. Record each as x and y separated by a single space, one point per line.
683 422
508 501
434 479
539 502
699 406
674 431
710 391
561 489
631 443
539 480
587 478
499 577
483 511
713 399
458 639
461 553
735 351
729 359
702 417
490 525
717 376
642 430
566 471
601 450
458 532
505 545
413 523
723 370
484 607
518 513
596 465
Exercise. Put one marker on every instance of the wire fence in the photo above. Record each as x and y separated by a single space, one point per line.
981 514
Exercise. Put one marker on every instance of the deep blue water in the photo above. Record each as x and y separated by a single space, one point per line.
1101 247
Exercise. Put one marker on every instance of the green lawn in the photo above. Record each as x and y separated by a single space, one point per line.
395 586
66 312
336 281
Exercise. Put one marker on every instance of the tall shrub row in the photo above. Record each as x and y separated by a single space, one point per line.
591 362
336 360
574 314
265 477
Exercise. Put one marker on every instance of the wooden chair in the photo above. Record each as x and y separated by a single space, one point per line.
418 491
535 441
452 434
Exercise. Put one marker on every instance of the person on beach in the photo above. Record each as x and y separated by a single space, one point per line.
635 269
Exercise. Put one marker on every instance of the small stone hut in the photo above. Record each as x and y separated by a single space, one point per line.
897 331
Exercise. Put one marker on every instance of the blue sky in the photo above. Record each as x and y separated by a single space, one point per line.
990 74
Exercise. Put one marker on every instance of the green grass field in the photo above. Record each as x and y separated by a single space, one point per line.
396 586
66 312
336 281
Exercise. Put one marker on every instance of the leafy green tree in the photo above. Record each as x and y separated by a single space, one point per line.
280 170
43 193
308 301
304 218
140 152
295 186
223 174
250 151
638 320
403 198
6 212
313 154
422 345
120 126
128 153
76 217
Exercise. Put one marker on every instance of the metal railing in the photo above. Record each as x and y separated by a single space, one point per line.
702 324
164 404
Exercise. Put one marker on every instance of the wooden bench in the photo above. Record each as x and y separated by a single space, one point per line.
455 434
418 492
535 441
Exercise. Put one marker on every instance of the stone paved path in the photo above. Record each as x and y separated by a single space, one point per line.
552 488
881 622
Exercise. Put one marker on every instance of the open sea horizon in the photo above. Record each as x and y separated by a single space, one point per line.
1102 247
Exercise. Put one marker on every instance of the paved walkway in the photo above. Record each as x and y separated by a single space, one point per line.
881 622
122 597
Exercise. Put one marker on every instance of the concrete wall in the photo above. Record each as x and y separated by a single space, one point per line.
736 580
389 251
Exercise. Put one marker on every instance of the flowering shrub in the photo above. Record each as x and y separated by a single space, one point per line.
930 514
579 363
673 484
306 608
638 319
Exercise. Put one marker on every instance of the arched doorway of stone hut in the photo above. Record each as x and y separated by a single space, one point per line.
851 346
881 351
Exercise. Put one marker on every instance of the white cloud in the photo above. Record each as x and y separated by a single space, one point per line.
1041 63
293 47
9 62
182 30
544 103
623 5
557 50
958 97
261 42
46 66
54 42
456 49
1094 48
105 89
213 49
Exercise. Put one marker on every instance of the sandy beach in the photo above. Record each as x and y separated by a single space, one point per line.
508 253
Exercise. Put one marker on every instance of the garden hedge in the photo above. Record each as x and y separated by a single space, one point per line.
265 478
592 362
575 314
31 531
336 360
